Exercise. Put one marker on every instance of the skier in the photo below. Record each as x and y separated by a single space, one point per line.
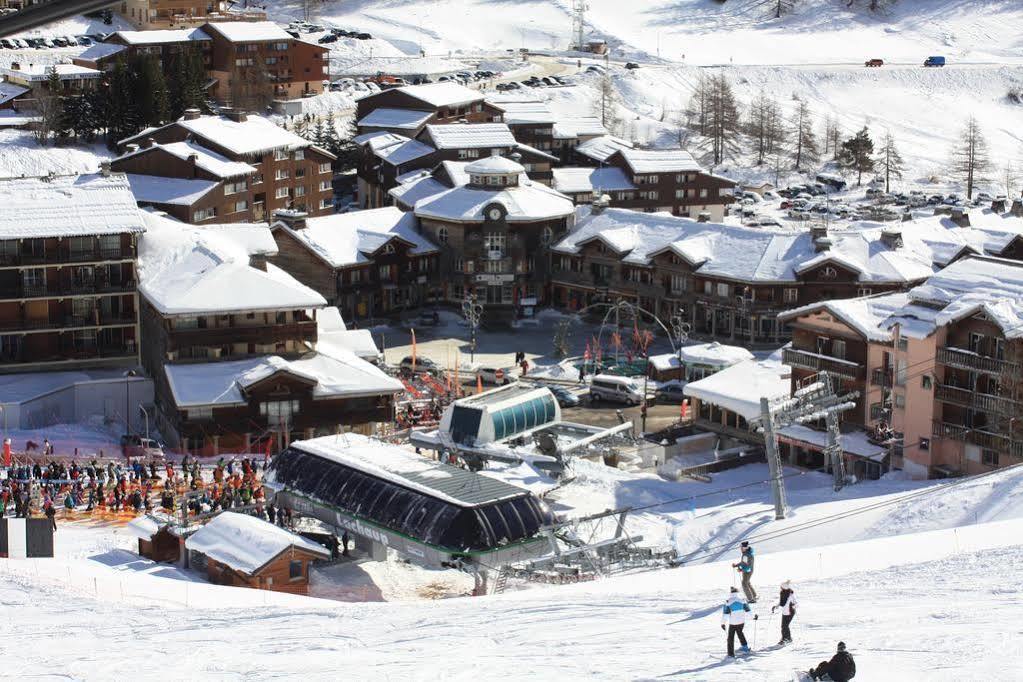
733 614
841 667
745 567
787 603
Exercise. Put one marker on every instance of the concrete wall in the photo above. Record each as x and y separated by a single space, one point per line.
79 402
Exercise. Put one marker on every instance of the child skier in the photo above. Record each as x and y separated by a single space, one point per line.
787 603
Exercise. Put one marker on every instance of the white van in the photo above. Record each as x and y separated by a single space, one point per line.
615 389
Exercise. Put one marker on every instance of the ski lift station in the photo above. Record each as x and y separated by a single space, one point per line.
387 497
513 423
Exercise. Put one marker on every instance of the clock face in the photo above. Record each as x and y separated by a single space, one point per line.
494 213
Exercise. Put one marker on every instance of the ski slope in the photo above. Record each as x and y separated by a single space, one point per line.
938 602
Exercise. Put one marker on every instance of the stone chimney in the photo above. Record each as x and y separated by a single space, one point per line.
192 114
258 261
1017 208
892 237
293 219
193 161
821 244
236 115
599 204
104 169
818 231
960 217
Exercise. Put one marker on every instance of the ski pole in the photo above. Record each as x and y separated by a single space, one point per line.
756 622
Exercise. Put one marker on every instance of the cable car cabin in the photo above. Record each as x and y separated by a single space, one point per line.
500 414
432 513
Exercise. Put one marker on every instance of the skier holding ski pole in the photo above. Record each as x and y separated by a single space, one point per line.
745 568
787 603
733 619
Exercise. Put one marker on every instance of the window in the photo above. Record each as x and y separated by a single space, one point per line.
925 382
468 153
900 372
235 187
199 413
903 343
270 61
355 276
280 155
703 194
294 570
838 349
241 206
283 174
722 289
459 265
708 287
900 401
679 283
80 247
442 235
300 191
989 458
279 47
649 195
325 186
279 411
546 236
790 295
110 245
33 278
324 167
680 194
247 61
494 241
863 292
300 155
384 272
281 193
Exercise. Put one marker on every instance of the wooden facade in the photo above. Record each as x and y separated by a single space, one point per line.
164 546
287 572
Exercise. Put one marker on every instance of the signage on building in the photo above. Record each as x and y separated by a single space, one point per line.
495 279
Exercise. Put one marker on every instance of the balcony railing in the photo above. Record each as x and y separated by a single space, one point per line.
822 363
980 401
964 359
985 439
75 288
881 376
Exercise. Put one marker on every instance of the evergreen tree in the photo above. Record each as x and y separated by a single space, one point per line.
890 161
121 112
343 146
857 154
149 86
319 135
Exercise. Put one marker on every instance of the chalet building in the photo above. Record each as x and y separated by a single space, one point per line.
406 111
167 14
727 402
156 541
367 263
68 295
12 96
244 551
695 361
129 45
732 282
189 182
495 235
596 151
671 181
584 185
533 123
290 173
385 158
462 142
230 342
74 79
417 185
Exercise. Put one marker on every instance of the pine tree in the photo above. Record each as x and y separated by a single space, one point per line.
121 113
151 99
857 154
805 149
970 159
319 134
890 161
343 146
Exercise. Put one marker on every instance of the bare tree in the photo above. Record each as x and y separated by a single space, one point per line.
606 104
723 119
970 159
783 7
49 108
832 136
889 161
1011 179
251 84
805 140
699 105
764 125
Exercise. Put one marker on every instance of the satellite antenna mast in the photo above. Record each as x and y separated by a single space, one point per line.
579 8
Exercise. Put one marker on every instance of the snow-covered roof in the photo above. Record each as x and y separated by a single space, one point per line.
660 161
155 189
404 119
584 180
9 91
416 188
572 128
407 469
526 112
528 202
714 353
254 135
145 527
396 149
246 543
188 270
40 72
866 314
161 36
206 159
99 51
442 94
344 239
852 442
494 165
601 148
255 238
740 387
68 206
762 254
250 31
466 136
335 373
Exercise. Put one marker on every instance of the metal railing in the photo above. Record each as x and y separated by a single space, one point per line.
981 401
964 359
984 439
822 363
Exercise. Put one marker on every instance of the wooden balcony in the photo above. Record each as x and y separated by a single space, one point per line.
219 336
985 439
823 363
979 401
881 376
964 359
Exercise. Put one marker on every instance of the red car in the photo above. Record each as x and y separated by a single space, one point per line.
874 62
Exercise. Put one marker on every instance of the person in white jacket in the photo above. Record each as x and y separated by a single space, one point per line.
787 603
733 615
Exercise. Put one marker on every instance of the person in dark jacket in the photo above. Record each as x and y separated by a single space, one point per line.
745 568
841 667
787 603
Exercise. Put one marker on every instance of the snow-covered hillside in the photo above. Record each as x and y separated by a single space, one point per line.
705 31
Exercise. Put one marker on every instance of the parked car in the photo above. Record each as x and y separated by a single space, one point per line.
139 447
934 61
984 196
874 62
327 38
615 389
495 375
564 396
421 365
632 65
670 392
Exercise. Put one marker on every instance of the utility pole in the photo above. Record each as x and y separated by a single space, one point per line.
773 459
579 8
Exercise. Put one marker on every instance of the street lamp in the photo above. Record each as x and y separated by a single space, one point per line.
472 311
680 328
